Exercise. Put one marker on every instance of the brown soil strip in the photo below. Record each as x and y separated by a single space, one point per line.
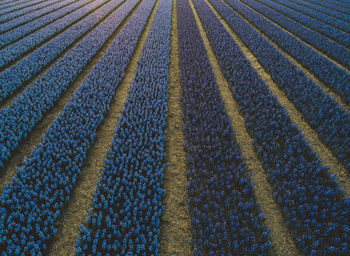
302 24
324 87
301 40
78 207
280 237
175 234
7 101
35 136
325 155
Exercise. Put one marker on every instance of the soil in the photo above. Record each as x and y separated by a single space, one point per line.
175 234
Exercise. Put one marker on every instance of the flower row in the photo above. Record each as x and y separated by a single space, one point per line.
322 9
225 219
17 42
339 24
25 15
31 204
10 3
338 36
312 203
25 111
328 72
27 68
330 48
10 7
127 206
325 115
339 6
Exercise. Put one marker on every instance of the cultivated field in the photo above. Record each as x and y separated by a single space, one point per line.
174 127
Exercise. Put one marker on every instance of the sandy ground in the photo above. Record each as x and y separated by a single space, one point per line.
175 226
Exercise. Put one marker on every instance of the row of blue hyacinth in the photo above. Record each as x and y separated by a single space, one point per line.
127 206
327 71
338 6
323 113
314 5
32 203
322 17
333 33
225 219
21 16
312 203
28 109
17 75
14 5
21 40
332 49
10 3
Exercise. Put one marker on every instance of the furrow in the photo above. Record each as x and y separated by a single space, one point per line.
175 225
